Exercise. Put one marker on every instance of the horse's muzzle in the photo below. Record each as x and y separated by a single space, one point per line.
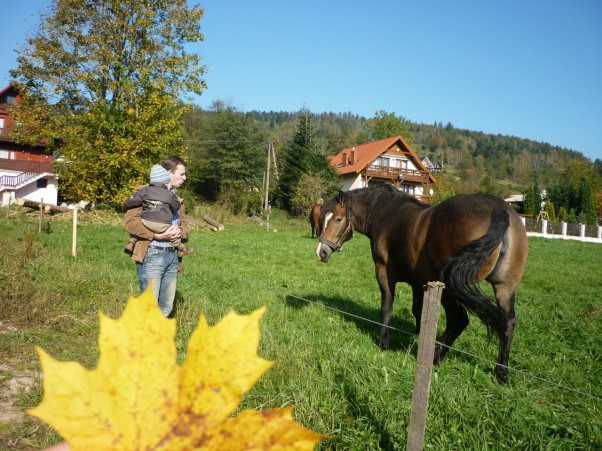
323 252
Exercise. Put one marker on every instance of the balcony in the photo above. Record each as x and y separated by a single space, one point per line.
35 167
407 175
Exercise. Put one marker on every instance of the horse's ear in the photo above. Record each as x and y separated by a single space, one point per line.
341 197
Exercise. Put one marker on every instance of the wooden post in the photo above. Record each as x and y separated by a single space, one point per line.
41 215
424 365
74 234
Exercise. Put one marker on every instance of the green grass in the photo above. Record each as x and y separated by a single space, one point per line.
328 364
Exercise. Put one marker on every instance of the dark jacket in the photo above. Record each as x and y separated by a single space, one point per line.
157 201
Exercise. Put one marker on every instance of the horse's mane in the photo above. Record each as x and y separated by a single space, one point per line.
371 196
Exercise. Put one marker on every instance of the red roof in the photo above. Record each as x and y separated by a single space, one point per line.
363 155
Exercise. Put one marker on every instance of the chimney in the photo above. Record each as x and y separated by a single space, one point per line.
344 158
352 160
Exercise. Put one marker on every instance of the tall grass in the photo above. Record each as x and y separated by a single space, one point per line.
317 328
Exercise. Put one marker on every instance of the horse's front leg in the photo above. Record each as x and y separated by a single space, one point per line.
387 294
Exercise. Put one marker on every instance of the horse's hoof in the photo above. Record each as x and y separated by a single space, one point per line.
438 355
502 375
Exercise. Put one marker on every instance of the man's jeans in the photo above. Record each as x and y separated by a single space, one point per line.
161 267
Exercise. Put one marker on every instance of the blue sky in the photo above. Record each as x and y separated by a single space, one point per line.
531 69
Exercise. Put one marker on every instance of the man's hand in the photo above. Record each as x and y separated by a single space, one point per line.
172 233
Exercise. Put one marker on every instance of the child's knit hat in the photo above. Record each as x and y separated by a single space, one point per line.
159 175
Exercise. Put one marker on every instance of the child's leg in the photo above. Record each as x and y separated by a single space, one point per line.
154 226
129 247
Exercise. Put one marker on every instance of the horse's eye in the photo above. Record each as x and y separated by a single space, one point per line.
339 220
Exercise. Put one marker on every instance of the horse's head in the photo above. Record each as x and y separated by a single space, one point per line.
336 226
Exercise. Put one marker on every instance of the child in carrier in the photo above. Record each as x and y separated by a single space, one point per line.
158 203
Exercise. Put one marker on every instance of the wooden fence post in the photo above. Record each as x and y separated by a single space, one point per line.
74 234
41 219
424 365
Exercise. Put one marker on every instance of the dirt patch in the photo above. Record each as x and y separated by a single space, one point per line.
13 383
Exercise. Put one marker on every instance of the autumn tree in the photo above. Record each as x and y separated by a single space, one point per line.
101 83
312 189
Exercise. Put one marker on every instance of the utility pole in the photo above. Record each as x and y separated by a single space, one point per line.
267 179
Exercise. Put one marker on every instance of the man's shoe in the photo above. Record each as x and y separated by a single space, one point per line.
186 250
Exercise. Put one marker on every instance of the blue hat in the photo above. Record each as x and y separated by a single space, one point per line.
159 175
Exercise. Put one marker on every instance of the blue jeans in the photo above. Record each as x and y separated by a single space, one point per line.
161 267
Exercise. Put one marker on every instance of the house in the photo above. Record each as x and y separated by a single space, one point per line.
389 160
430 166
25 170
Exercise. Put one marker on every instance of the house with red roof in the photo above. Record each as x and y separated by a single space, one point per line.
389 160
25 170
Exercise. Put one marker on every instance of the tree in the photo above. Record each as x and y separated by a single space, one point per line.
101 82
229 161
586 202
311 190
385 125
300 156
577 189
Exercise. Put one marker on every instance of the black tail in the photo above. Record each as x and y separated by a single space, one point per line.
460 272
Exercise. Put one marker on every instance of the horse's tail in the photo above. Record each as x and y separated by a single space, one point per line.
460 273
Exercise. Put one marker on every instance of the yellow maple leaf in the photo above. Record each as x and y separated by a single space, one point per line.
138 398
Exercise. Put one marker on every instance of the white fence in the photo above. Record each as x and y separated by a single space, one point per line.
563 230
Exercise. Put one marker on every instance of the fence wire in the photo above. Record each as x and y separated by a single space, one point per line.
474 356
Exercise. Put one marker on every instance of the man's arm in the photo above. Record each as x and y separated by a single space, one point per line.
133 224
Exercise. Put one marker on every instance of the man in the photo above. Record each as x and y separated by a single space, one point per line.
156 258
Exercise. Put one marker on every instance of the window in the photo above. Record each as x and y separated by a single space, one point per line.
7 154
42 183
10 99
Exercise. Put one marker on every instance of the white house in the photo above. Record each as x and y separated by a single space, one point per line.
25 171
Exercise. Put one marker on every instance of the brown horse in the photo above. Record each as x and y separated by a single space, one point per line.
314 220
461 241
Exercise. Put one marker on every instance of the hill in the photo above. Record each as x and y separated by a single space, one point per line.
506 161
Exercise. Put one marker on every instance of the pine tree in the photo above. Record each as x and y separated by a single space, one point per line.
587 209
298 157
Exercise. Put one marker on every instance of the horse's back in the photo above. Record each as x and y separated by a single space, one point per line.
463 219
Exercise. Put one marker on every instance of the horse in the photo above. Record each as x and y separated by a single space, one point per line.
461 241
314 220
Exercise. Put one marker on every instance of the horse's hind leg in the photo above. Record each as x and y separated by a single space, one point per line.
456 321
505 297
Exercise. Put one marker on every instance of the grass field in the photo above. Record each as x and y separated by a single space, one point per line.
318 329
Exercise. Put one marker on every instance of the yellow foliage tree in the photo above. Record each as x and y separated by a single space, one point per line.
138 398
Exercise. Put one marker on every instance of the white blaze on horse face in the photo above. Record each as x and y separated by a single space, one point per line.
326 219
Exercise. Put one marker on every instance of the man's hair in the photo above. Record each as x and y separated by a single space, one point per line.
170 163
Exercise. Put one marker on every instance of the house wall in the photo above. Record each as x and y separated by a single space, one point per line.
352 182
32 192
